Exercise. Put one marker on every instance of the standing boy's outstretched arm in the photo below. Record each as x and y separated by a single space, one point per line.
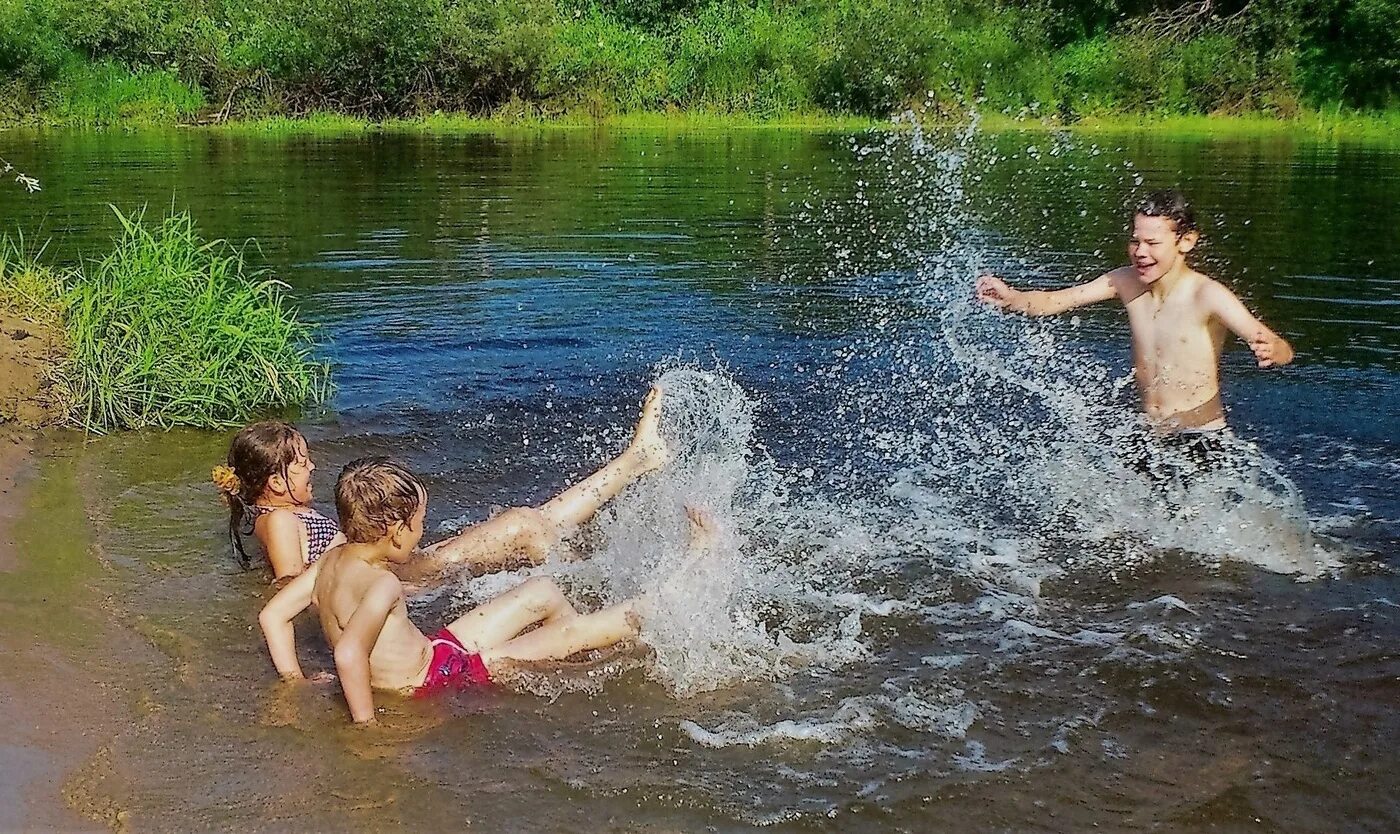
1270 349
994 291
357 640
276 621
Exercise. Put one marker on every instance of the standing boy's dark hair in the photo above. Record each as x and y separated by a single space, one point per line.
1171 204
373 493
257 452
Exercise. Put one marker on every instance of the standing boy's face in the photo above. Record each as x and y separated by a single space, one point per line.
1155 248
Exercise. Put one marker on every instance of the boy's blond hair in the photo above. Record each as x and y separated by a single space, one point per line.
372 494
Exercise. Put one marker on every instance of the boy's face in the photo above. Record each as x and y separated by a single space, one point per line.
1155 248
410 534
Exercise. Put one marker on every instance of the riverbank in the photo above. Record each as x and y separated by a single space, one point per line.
29 351
1381 127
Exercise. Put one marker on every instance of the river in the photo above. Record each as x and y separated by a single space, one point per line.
945 600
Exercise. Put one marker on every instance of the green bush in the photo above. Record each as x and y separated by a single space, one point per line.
745 59
766 57
168 329
107 93
492 51
602 62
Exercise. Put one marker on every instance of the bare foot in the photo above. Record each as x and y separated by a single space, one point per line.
647 444
703 527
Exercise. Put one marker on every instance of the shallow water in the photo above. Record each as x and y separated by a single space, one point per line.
943 601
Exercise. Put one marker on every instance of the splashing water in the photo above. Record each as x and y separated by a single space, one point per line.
895 546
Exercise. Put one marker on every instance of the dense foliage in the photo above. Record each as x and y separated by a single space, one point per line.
167 329
95 61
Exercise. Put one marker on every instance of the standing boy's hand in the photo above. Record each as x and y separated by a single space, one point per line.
1270 350
994 291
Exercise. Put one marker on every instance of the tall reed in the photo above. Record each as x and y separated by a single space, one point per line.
169 329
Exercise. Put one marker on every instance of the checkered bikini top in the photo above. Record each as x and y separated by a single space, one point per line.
319 529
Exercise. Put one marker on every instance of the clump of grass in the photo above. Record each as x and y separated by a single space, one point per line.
108 93
27 287
169 329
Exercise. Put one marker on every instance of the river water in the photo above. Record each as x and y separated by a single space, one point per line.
945 600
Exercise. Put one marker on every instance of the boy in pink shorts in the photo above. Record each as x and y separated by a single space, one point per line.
361 602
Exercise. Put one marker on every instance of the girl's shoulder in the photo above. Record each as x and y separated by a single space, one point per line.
272 520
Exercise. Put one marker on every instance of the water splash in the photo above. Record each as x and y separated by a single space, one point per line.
883 564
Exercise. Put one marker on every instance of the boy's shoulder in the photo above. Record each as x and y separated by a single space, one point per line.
1125 283
341 570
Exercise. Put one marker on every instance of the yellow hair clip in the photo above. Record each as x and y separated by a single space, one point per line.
225 480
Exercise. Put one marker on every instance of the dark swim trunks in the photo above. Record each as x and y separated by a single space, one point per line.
1181 456
452 667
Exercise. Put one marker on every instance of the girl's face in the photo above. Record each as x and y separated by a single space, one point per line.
298 484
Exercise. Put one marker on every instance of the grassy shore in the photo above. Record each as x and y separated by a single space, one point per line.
166 329
1336 124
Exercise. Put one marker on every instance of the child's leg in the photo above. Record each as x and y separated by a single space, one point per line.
531 532
646 453
536 600
563 637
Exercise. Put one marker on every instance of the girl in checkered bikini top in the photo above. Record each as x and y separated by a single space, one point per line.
267 485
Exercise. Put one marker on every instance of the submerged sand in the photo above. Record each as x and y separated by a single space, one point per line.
57 710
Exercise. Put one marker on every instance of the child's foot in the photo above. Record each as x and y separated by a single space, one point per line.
647 444
703 527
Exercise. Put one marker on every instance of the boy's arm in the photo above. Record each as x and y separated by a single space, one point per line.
281 539
357 641
1270 349
994 291
276 621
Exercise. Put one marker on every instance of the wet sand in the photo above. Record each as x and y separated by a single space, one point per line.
44 744
59 706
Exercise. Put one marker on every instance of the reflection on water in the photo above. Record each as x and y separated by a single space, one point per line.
943 600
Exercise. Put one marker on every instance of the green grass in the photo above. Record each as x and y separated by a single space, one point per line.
170 329
28 288
1333 125
107 94
447 124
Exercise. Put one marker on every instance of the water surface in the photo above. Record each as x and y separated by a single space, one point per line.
947 602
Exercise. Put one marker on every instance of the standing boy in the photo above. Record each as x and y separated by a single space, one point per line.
1178 317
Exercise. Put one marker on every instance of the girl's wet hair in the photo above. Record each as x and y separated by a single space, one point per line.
257 452
1171 204
374 493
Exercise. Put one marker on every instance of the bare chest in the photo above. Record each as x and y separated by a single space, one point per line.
1172 334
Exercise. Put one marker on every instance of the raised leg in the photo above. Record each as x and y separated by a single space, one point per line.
529 533
536 600
646 453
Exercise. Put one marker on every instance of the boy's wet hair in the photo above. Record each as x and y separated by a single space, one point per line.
1171 204
372 494
257 452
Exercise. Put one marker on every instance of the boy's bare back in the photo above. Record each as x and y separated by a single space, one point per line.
353 596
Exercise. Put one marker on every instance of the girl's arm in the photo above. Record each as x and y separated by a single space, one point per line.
283 539
276 621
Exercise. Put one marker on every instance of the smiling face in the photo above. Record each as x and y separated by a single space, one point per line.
1155 249
299 471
